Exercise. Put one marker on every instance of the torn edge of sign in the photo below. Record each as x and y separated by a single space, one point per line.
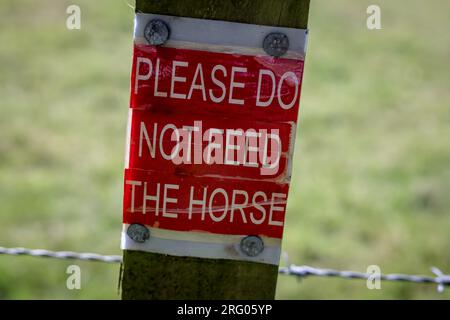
128 139
202 245
221 36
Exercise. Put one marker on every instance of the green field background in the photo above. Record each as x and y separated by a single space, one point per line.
371 177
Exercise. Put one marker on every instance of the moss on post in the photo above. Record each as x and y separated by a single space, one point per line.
158 276
281 13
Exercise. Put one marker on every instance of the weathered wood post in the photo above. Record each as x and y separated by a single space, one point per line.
154 274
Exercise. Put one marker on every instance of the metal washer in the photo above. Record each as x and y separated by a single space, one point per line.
156 32
276 44
138 233
252 246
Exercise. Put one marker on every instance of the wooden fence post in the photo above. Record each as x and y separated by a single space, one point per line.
158 276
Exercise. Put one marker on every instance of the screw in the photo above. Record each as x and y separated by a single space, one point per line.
156 32
138 232
276 44
252 246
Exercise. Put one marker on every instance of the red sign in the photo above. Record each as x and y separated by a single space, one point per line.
176 81
203 123
210 144
215 205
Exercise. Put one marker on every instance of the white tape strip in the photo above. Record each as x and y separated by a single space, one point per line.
221 36
202 245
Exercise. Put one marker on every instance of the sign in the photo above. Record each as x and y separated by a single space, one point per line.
210 139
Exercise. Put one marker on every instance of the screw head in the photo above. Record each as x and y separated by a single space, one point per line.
252 246
138 232
276 44
156 32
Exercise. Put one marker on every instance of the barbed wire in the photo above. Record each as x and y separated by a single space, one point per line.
70 255
440 279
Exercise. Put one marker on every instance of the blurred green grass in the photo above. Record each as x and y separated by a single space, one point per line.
372 165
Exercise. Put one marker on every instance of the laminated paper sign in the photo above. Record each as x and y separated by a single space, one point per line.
210 138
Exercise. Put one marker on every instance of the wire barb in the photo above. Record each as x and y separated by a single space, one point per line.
440 279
